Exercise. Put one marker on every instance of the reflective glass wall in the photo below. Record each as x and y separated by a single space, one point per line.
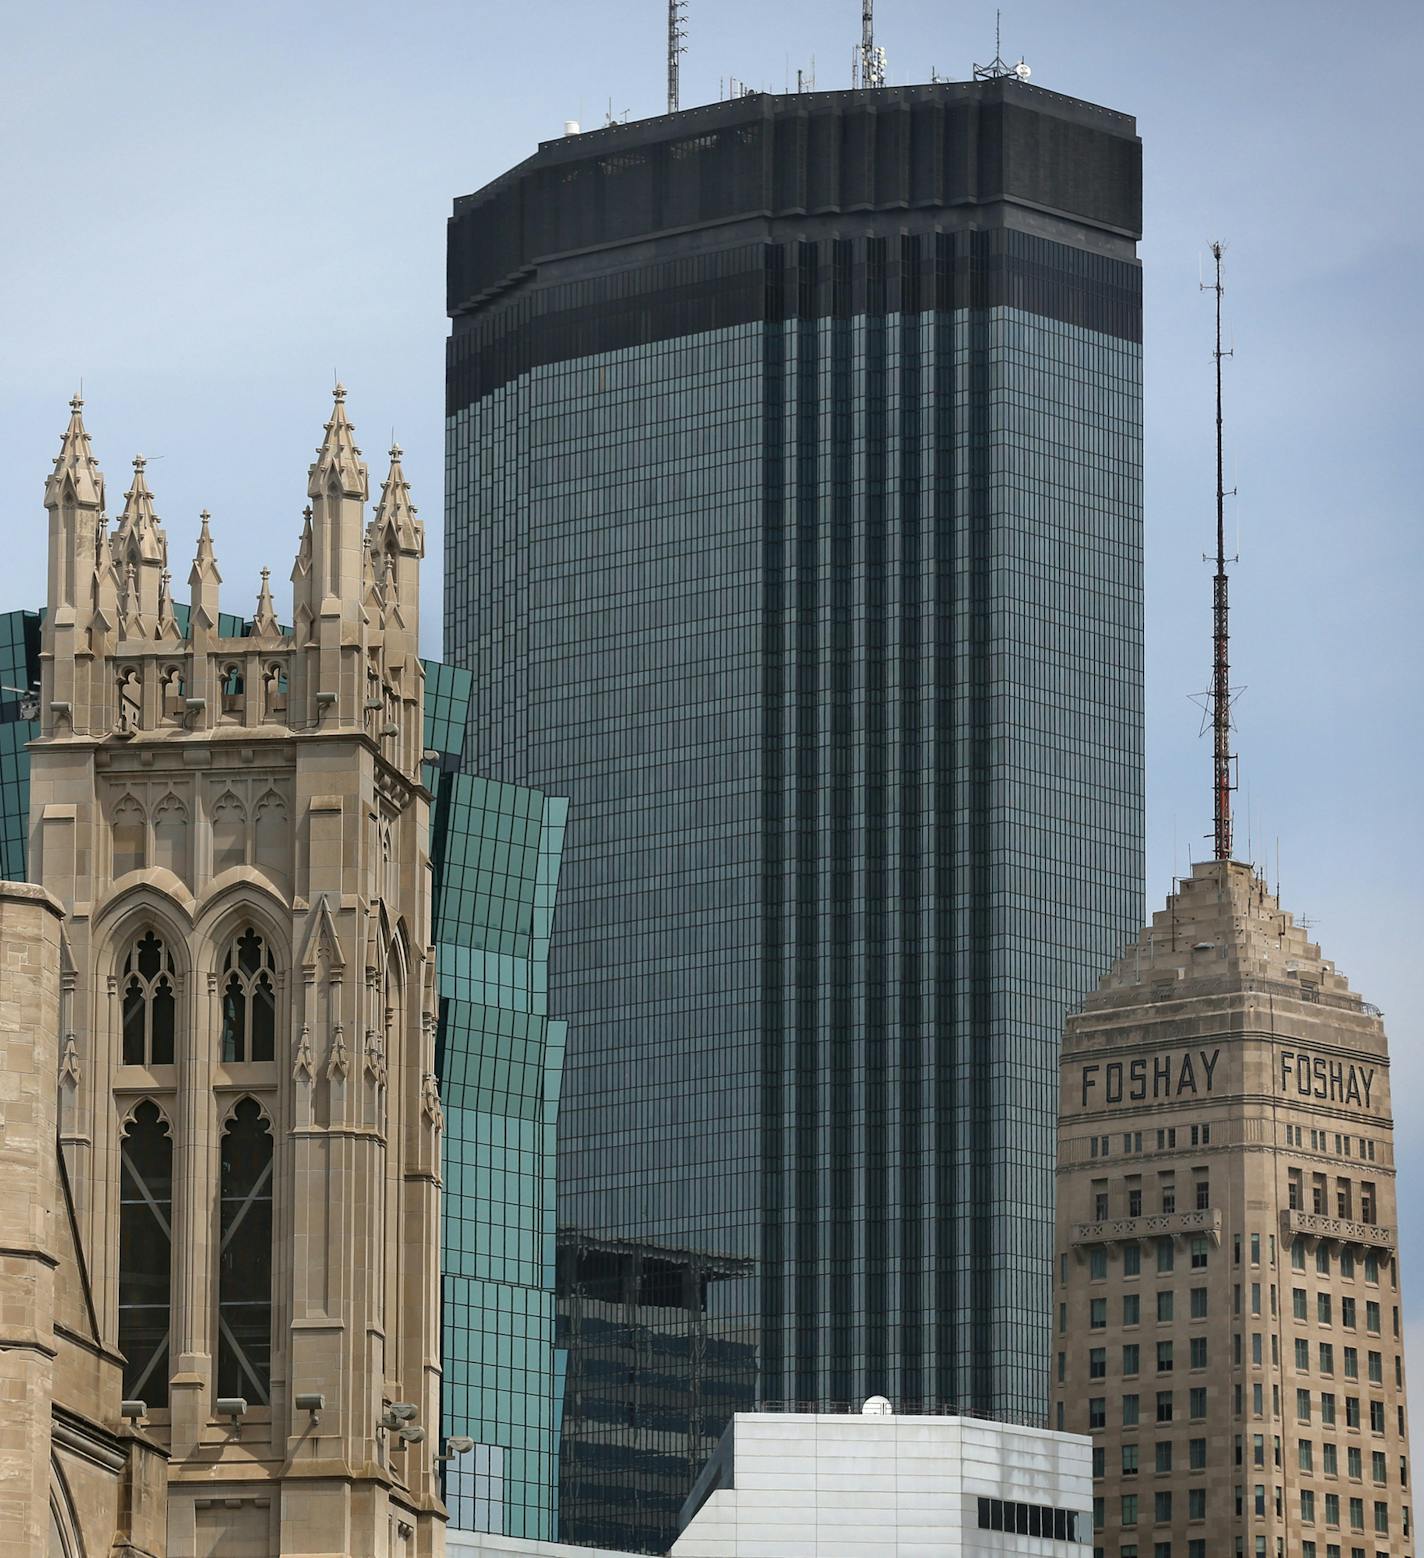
496 851
811 572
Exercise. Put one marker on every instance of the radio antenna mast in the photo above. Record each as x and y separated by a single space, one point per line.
677 46
870 61
1223 760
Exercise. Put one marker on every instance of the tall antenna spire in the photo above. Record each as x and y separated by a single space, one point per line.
1222 757
870 61
677 47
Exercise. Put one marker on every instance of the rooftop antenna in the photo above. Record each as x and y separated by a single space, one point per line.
999 67
1219 698
677 47
868 62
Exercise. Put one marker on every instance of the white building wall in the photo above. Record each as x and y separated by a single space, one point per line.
886 1487
802 1486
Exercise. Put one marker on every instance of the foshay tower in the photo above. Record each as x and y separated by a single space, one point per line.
1227 1293
228 976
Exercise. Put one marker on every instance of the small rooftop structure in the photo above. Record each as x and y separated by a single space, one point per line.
877 1485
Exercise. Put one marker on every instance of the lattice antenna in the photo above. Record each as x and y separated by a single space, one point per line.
1223 761
677 47
999 67
868 65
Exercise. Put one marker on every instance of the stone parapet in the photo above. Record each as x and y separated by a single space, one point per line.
1142 1230
1296 1224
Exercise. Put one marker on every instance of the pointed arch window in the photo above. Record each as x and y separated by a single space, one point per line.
145 1254
249 1000
245 1256
150 1006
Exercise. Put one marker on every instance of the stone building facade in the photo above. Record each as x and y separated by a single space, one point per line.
1227 1299
226 975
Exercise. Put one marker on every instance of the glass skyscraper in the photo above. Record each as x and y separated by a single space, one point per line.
495 851
794 533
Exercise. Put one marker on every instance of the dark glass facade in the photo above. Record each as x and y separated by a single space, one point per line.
794 534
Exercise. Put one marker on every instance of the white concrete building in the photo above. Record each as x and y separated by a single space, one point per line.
793 1485
827 1486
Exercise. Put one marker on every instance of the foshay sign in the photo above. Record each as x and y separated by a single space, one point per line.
1333 1081
1180 1074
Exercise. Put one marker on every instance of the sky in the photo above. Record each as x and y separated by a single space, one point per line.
209 211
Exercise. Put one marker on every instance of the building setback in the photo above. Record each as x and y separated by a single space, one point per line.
794 533
1228 1307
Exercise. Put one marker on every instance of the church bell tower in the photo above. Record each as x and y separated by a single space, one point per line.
231 817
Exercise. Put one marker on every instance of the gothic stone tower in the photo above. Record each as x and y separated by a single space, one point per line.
237 834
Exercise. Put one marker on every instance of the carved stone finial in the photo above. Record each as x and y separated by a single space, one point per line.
303 1067
337 1062
430 1101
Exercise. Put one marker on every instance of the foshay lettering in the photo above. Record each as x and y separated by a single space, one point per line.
1162 1076
1335 1081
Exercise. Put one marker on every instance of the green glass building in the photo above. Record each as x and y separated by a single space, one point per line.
495 851
793 532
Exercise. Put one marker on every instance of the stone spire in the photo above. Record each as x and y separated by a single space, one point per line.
264 622
338 487
203 582
394 527
140 542
304 607
74 499
397 535
167 623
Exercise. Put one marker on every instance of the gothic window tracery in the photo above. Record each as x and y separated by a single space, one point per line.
244 1358
274 690
271 836
174 693
145 1254
249 1000
149 1003
234 697
170 836
130 836
229 833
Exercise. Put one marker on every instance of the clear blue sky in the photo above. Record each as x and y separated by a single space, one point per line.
209 209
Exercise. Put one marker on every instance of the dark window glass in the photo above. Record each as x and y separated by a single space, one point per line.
249 1000
149 1014
245 1256
145 1254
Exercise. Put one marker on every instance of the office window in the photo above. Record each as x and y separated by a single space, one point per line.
1097 1363
1164 1306
1164 1357
1131 1308
1162 1455
1198 1303
1132 1260
1166 1255
1164 1406
1198 1352
1196 1401
1130 1410
1131 1358
1196 1454
1302 1406
1098 1313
